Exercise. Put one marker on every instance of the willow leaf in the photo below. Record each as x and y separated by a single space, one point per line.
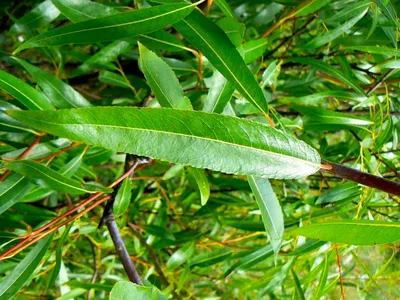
12 190
352 232
83 10
24 93
46 177
203 140
112 27
219 50
219 94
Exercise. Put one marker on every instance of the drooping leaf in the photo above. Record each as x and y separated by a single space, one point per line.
47 177
226 9
24 93
166 134
62 94
20 274
83 10
112 27
270 208
210 258
12 189
128 290
162 80
376 50
216 46
328 69
123 197
322 280
352 232
203 184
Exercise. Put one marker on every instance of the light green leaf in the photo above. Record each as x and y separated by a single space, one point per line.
8 124
24 93
219 94
40 16
376 50
127 290
388 9
219 50
347 12
341 192
83 10
323 119
46 177
181 256
308 7
24 270
270 74
335 33
233 29
322 280
112 27
162 80
328 69
12 189
202 182
254 49
271 210
113 79
210 258
123 197
183 137
62 94
352 232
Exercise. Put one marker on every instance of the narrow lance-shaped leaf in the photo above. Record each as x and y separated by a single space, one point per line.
338 31
162 40
219 94
12 189
62 94
123 197
129 290
162 80
46 177
270 208
328 69
322 280
199 139
352 232
376 50
203 184
226 9
24 93
112 27
219 50
24 270
181 256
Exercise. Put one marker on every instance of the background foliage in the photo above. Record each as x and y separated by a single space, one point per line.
323 71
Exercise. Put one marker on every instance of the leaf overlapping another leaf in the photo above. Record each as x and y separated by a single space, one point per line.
198 139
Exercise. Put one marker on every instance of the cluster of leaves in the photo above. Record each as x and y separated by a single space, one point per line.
236 93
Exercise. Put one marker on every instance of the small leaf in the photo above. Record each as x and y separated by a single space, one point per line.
162 80
388 9
210 258
123 197
254 49
128 290
352 232
271 210
202 183
24 93
226 9
271 74
233 29
322 280
376 50
112 27
12 189
308 7
341 192
183 137
20 274
219 94
162 40
62 94
328 69
181 256
219 50
46 177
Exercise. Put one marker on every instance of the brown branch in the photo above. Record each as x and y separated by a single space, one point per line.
343 296
381 81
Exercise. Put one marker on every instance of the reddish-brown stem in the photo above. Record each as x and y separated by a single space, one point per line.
343 297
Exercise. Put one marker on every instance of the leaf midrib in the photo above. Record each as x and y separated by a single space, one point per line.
33 102
188 136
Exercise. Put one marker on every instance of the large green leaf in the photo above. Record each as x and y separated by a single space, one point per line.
270 208
24 93
353 232
62 94
47 177
24 270
112 27
216 46
199 139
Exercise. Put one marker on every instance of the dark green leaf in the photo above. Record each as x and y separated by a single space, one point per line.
123 197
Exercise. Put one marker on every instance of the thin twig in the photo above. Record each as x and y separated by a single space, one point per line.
343 296
381 81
